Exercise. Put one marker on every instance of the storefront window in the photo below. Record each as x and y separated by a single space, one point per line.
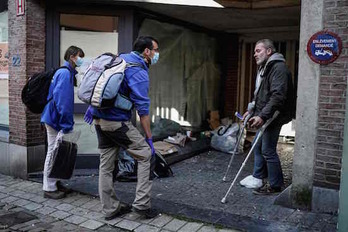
185 85
4 109
95 35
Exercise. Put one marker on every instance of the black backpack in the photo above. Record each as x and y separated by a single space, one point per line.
35 91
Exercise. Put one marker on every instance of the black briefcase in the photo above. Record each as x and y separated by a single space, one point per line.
64 160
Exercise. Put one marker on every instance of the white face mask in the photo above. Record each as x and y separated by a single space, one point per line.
79 61
155 58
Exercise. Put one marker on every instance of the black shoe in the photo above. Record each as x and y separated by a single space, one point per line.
267 190
62 188
54 195
147 213
124 208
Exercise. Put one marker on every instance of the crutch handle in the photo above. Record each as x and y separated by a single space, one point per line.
245 122
238 115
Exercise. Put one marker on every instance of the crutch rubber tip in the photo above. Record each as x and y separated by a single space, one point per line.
223 201
224 179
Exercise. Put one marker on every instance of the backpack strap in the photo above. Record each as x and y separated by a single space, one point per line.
131 64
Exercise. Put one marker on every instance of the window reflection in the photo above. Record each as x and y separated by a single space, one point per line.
95 35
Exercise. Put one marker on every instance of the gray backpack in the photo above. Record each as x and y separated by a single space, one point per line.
101 83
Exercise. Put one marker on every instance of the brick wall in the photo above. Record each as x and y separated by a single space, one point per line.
27 41
231 81
332 94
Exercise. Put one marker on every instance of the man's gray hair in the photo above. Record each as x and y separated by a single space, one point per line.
267 44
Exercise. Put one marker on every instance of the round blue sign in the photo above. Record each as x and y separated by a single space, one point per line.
324 47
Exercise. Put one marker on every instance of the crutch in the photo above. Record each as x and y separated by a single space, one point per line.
235 150
263 128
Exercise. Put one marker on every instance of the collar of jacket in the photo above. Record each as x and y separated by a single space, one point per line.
275 57
141 58
71 69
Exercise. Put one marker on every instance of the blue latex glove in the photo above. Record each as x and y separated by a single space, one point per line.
149 141
88 116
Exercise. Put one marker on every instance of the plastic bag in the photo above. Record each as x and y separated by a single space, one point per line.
162 128
225 138
63 158
127 167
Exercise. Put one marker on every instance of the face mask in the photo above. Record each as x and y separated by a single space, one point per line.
79 61
155 58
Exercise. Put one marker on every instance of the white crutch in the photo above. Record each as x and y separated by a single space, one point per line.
235 150
263 128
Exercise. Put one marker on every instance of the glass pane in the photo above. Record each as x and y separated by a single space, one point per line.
4 109
95 35
88 143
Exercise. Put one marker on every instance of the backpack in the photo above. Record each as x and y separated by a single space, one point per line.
35 92
101 82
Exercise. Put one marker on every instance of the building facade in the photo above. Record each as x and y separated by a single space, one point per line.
39 31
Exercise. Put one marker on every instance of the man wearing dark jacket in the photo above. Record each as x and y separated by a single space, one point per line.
114 130
274 92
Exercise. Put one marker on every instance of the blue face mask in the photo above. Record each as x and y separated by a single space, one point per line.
79 61
155 58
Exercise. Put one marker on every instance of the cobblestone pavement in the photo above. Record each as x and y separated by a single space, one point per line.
23 208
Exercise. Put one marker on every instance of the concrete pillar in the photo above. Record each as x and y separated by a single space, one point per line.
26 147
307 108
343 201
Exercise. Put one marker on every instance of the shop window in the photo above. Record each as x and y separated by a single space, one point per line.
95 35
185 84
4 107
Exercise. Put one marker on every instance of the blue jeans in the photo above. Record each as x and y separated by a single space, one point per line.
267 163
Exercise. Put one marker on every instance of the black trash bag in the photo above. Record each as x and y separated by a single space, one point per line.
64 159
126 167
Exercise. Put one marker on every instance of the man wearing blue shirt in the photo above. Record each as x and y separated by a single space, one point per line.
114 130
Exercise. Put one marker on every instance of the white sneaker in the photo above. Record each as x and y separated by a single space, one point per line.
251 182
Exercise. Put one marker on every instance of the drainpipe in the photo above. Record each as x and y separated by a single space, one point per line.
343 201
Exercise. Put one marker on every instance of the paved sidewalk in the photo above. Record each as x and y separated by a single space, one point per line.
22 208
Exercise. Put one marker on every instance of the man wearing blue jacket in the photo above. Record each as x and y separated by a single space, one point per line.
114 130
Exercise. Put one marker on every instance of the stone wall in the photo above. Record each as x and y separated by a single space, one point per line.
332 94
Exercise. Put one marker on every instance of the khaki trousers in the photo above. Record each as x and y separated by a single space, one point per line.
111 136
